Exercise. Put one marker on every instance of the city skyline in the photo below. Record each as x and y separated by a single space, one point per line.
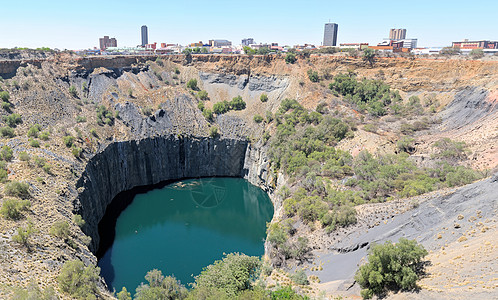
68 25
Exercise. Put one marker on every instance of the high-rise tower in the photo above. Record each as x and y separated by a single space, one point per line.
330 34
145 38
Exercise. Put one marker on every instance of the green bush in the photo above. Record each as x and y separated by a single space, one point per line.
290 58
231 275
313 75
160 287
76 151
4 96
78 220
286 293
13 120
6 105
6 153
60 229
208 114
192 84
450 150
94 132
104 116
34 130
203 95
147 111
24 234
258 119
300 278
200 106
406 144
79 281
32 292
221 107
68 140
237 103
17 189
39 161
12 208
34 143
44 136
7 132
124 294
390 267
476 53
24 156
213 131
80 119
263 98
72 91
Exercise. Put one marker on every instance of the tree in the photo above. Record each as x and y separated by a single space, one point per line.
24 234
203 95
60 229
263 51
448 51
232 274
313 75
237 103
476 53
124 294
369 56
263 97
390 267
79 281
160 287
11 208
188 55
290 58
17 189
249 51
258 119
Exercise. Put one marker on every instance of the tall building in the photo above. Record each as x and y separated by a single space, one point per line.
106 42
247 42
397 34
330 34
145 37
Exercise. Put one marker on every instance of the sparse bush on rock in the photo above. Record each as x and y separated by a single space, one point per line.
79 281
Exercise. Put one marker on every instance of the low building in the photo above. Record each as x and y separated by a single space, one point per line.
466 44
220 43
247 42
358 46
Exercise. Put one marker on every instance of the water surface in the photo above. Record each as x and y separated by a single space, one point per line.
185 226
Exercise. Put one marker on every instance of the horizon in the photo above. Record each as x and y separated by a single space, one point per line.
72 26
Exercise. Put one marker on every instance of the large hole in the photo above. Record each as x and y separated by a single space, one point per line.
180 227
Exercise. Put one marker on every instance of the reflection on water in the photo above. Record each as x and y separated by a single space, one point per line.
185 226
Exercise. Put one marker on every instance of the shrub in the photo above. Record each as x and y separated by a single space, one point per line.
24 156
60 229
34 143
177 71
237 103
192 84
24 234
79 281
11 208
72 91
258 119
221 107
406 144
104 116
313 76
34 130
76 151
290 58
17 189
263 98
78 220
208 114
13 120
300 277
450 150
390 267
203 95
213 131
124 294
44 136
269 116
4 95
94 132
476 53
160 287
370 128
6 105
286 293
6 153
7 132
68 140
80 119
147 111
33 291
39 161
200 106
231 275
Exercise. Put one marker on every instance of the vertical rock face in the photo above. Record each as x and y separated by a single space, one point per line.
124 165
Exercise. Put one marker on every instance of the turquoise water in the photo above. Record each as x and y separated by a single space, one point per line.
185 226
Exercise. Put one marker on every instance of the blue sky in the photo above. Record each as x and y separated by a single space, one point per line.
73 24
